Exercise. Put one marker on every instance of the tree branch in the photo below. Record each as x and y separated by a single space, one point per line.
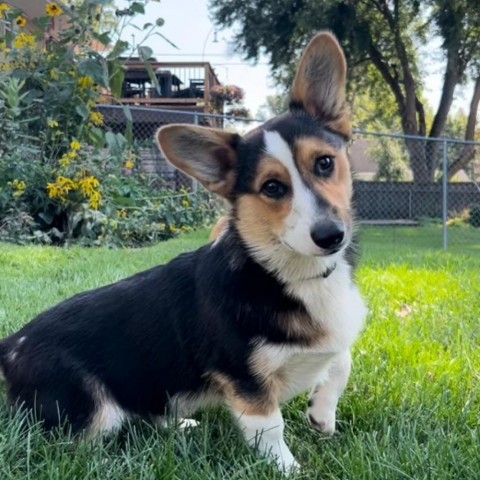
382 66
451 79
468 151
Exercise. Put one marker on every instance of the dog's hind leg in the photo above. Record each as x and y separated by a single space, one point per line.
323 401
108 416
58 399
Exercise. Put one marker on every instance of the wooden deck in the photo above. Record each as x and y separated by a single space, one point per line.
180 85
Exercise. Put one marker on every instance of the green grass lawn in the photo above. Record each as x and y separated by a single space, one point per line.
411 410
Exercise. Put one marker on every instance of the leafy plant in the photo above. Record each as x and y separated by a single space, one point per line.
63 177
390 158
474 217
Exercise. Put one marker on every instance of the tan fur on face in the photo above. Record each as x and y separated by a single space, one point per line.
335 189
261 219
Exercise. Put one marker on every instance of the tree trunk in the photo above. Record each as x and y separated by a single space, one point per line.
451 79
468 151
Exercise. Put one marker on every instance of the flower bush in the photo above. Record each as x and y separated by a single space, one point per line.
229 95
63 177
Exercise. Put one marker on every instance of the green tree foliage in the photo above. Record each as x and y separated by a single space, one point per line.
391 159
382 34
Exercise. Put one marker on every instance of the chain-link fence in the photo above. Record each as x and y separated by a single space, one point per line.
144 123
412 181
401 181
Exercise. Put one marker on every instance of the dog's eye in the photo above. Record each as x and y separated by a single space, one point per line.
323 165
274 189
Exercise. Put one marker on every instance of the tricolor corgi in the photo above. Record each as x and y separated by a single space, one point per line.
269 310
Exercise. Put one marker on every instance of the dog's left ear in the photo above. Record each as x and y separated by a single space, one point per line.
207 154
319 86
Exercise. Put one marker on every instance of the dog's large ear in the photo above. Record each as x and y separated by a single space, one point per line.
207 154
319 86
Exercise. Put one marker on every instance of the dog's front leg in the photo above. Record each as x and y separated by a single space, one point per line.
263 428
323 401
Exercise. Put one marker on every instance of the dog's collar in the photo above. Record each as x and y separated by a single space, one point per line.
328 271
325 274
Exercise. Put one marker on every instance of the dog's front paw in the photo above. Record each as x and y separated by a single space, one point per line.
280 455
287 464
322 419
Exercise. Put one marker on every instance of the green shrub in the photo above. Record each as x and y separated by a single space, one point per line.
459 219
63 178
474 218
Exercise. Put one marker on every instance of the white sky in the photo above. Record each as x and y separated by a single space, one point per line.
187 24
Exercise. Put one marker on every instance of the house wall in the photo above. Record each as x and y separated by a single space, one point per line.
34 9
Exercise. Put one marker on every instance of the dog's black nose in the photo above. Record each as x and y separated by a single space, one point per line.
328 234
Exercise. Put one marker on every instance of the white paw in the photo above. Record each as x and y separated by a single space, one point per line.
281 455
187 423
290 467
165 421
322 420
286 463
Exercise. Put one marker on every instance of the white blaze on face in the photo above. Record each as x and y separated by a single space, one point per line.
299 222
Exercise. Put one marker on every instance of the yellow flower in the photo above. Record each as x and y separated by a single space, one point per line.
4 8
85 82
19 186
95 200
24 41
53 10
75 145
52 123
21 21
185 203
64 161
54 75
72 155
129 165
96 118
60 188
3 46
67 184
88 186
53 190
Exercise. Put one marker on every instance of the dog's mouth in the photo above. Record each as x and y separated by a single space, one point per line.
322 252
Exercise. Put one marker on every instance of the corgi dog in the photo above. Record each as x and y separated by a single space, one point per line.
267 311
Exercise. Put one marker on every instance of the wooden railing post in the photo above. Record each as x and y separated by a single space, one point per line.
207 85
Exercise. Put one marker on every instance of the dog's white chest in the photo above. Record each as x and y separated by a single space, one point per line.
336 305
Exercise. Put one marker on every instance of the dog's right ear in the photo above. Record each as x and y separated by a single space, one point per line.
207 154
319 85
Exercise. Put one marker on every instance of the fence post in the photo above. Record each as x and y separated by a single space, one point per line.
194 181
444 193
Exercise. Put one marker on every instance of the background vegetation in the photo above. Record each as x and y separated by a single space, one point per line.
384 42
63 177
